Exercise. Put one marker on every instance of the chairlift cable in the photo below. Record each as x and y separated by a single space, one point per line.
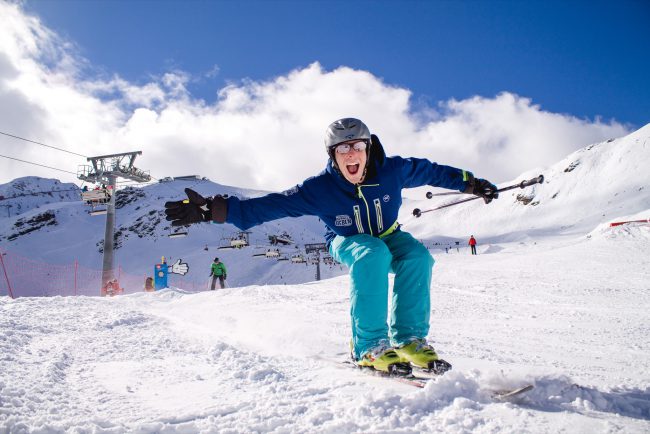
37 164
42 144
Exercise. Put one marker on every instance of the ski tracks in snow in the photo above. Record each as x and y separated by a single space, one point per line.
247 359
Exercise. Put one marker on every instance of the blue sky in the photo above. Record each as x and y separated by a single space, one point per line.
585 58
242 91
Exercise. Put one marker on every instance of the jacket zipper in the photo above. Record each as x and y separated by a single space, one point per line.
380 220
357 218
362 197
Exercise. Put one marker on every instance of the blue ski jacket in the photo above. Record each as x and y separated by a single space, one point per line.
347 209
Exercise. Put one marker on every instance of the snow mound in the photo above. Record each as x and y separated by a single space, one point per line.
628 227
561 394
491 248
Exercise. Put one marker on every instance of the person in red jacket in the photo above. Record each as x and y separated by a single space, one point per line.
472 244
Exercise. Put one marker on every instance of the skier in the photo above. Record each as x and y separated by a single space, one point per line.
358 197
472 244
218 271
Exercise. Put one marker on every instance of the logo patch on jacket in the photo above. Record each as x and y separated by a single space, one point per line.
343 220
386 198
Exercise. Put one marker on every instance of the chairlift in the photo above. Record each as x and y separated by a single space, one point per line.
97 199
178 232
238 241
98 211
272 253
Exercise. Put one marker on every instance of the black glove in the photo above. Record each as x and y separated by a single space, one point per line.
225 277
196 209
481 188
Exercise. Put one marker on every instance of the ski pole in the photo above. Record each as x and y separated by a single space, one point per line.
430 195
417 212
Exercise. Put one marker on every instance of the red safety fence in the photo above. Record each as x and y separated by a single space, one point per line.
627 222
25 277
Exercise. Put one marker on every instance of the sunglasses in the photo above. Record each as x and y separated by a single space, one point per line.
344 148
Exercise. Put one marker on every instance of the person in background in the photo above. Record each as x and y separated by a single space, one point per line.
148 284
112 288
218 272
472 244
358 197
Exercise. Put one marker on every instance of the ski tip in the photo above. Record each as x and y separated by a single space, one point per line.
506 394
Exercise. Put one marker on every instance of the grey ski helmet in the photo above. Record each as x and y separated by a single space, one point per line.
343 130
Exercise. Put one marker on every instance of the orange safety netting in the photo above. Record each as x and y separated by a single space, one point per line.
25 277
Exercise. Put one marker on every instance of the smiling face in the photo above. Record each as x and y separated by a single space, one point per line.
352 164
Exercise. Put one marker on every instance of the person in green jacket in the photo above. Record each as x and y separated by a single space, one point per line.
218 271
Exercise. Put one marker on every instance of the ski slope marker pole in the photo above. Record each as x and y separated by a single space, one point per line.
417 212
11 293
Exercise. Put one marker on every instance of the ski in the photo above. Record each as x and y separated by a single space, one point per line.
404 373
419 378
504 395
406 376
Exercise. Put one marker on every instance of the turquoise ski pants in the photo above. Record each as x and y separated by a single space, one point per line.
370 259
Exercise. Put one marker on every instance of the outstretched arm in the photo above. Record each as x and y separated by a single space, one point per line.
246 213
418 172
243 213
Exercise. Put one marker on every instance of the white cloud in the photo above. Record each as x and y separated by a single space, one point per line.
259 134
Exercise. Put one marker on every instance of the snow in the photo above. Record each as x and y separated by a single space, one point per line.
556 298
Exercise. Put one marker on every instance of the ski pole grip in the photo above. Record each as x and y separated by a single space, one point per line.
538 180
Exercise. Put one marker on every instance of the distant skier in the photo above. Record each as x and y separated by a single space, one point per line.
358 197
472 244
218 272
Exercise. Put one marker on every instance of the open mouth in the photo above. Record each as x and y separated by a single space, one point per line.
352 168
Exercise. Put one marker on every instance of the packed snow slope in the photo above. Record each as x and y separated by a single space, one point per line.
569 316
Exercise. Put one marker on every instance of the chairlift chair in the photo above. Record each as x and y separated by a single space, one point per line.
97 200
178 233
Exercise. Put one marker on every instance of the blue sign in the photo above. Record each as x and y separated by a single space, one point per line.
160 276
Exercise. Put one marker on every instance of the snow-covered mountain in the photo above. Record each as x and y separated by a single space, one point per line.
599 183
57 228
602 182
